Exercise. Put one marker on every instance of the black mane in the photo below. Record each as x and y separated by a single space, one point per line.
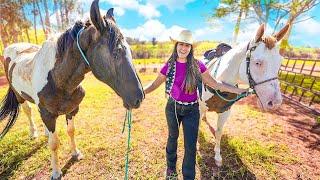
68 37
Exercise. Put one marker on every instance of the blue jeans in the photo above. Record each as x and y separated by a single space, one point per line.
189 116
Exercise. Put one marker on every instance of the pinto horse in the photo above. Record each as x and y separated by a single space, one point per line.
255 64
50 76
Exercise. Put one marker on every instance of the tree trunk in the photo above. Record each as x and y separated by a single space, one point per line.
35 21
47 17
56 10
61 15
25 19
41 20
237 28
66 10
4 36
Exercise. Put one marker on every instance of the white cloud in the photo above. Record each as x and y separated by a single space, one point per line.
155 28
206 33
152 28
309 27
147 10
170 4
119 11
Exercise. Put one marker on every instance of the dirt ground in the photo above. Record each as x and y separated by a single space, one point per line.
300 133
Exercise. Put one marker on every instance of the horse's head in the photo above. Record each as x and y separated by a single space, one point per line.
110 57
264 64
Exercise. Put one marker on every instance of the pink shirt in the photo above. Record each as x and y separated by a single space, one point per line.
177 92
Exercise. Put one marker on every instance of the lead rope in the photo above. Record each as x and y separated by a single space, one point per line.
129 121
175 112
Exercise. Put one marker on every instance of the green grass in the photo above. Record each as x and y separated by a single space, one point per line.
307 82
148 61
98 135
299 63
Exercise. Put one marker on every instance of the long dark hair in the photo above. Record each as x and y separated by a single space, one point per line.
193 74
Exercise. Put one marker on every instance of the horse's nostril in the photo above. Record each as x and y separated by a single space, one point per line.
270 104
137 102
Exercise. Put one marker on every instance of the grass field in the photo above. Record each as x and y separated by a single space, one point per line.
98 135
307 83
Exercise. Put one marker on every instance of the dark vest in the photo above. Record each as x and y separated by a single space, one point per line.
170 80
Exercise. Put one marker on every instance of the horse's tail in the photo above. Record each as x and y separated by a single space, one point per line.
9 107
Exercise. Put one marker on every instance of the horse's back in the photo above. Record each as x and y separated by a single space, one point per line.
29 65
18 49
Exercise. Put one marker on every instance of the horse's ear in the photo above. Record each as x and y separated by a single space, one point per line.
259 33
110 15
96 17
282 32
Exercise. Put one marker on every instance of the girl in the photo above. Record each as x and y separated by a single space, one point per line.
183 75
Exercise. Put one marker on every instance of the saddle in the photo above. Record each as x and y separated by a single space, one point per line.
219 51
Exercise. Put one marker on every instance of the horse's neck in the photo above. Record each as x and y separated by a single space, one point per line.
228 70
69 71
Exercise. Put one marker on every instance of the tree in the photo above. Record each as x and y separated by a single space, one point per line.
295 9
11 21
47 17
265 11
56 10
41 19
154 41
227 7
35 13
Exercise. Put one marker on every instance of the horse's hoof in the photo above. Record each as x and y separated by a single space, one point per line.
77 156
58 177
218 163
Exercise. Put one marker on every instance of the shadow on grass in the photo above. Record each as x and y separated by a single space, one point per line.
232 167
68 165
7 169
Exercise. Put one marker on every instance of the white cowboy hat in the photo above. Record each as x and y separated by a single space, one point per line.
185 36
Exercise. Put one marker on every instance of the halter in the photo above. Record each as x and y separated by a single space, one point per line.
252 82
78 45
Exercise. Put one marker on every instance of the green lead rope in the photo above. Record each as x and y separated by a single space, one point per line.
129 121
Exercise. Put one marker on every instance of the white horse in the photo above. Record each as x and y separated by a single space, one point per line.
255 63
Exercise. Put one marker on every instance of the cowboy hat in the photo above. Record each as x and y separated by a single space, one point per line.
185 36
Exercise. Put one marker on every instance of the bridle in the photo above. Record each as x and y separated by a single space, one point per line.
252 82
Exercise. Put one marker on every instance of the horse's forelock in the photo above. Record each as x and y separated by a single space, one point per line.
114 35
269 41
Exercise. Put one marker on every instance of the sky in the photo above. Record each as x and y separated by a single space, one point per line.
145 19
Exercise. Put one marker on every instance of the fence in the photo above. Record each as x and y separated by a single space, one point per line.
300 82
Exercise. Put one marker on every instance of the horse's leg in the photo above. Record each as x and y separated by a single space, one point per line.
202 110
28 111
222 118
76 154
49 120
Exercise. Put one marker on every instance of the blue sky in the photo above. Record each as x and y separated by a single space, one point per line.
145 19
